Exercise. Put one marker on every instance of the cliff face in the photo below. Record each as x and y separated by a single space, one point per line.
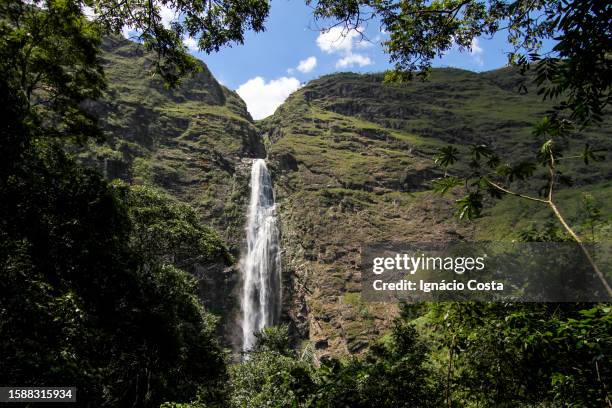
190 141
352 160
195 142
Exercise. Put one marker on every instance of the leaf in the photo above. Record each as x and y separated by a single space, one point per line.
521 171
592 154
481 150
493 161
470 206
446 184
494 192
447 156
547 147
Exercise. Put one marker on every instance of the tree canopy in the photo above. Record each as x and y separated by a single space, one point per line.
85 298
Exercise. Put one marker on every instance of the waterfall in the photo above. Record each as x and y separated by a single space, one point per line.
261 269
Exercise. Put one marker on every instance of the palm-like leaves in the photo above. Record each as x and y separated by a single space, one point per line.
519 171
447 156
481 150
470 206
589 154
446 184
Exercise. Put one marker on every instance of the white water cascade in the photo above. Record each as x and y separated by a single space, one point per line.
261 267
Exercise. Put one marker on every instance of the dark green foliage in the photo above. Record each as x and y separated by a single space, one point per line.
271 375
462 355
591 154
81 307
84 300
579 71
470 206
447 156
393 374
50 57
168 231
508 355
446 184
273 339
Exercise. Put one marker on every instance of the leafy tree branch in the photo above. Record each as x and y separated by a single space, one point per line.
481 179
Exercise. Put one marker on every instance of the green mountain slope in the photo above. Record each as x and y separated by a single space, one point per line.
352 159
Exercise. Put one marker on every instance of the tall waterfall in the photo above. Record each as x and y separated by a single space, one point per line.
261 268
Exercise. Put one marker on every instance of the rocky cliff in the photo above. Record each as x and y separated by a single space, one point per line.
352 159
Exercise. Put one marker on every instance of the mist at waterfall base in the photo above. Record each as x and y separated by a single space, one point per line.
260 265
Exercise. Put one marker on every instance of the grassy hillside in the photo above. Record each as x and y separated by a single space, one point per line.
352 159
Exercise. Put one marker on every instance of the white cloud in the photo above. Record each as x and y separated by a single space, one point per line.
191 43
475 47
365 43
476 52
307 65
337 40
353 59
262 98
167 15
129 32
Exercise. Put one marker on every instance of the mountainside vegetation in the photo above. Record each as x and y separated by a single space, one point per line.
353 159
188 140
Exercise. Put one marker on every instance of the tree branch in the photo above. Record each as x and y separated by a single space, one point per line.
505 190
559 217
576 238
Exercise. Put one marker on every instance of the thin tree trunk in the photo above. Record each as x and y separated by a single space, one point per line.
576 238
449 373
565 225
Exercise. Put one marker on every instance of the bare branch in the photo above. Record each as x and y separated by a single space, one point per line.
505 190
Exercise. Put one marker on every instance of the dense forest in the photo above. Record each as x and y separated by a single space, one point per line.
123 190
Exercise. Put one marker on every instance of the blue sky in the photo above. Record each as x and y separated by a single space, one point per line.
293 50
291 36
